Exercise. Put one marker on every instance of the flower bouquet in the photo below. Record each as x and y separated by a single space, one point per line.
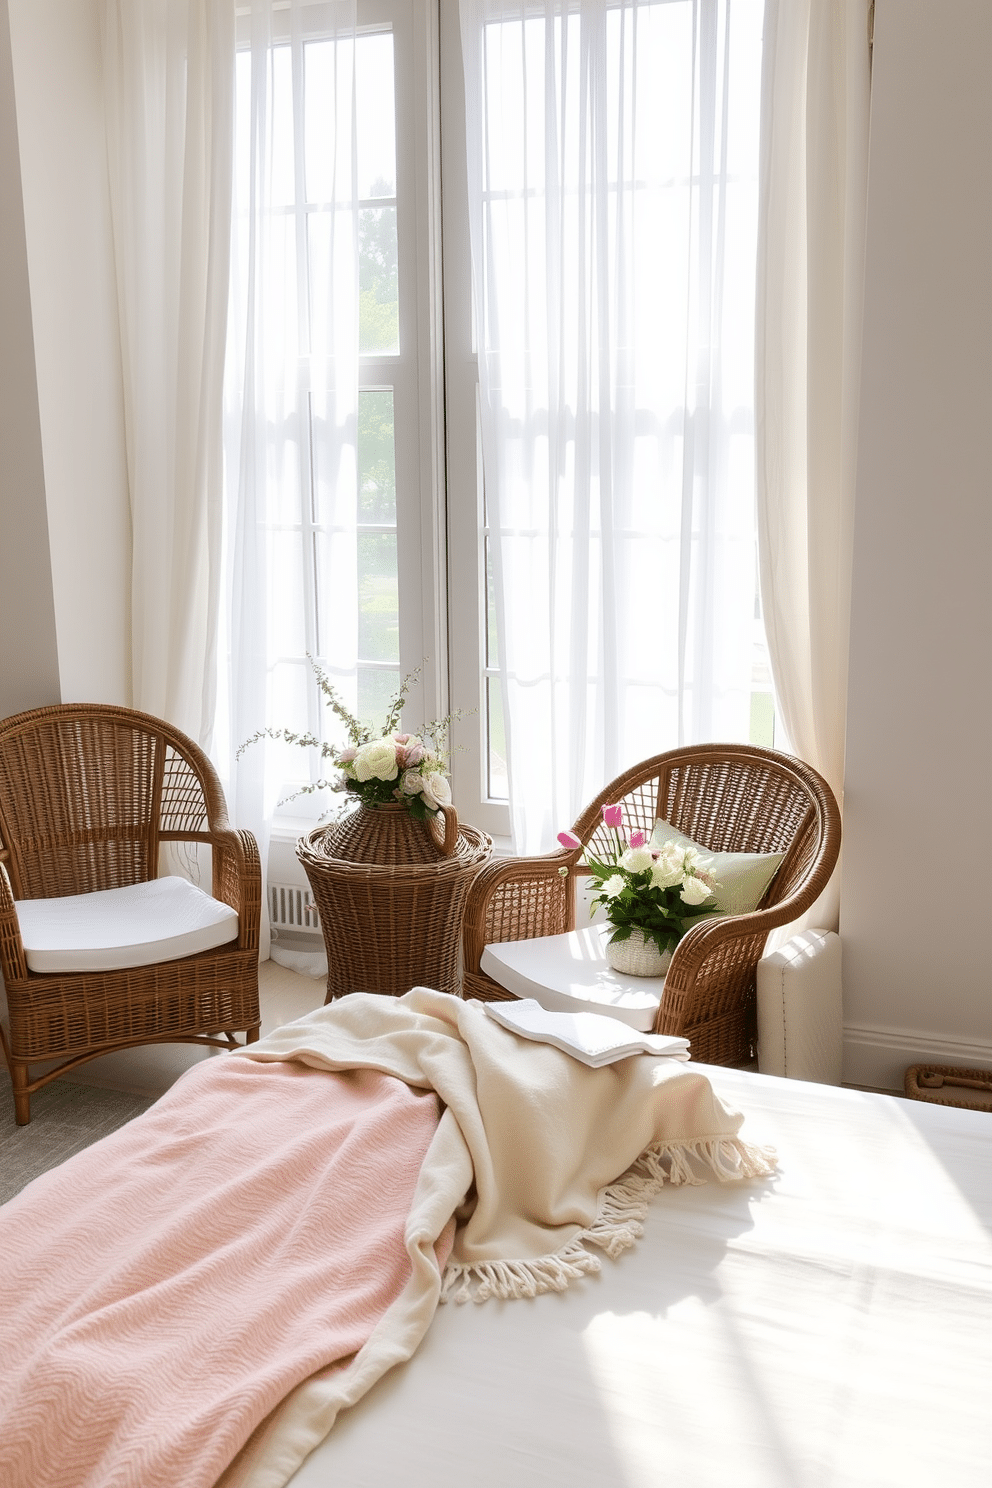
651 895
393 768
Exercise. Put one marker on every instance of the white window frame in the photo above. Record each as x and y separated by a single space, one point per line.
467 598
416 373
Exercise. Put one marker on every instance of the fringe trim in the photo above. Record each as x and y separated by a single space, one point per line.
617 1226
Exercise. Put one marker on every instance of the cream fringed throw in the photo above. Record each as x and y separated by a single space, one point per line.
562 1157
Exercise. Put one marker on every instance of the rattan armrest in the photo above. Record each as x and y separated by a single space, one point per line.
706 937
518 899
715 964
12 962
237 881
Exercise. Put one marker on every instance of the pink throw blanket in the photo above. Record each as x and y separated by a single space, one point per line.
165 1289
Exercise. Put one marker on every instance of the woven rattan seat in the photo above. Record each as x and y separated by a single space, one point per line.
728 798
88 796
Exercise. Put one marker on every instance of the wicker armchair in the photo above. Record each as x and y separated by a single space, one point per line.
87 795
727 797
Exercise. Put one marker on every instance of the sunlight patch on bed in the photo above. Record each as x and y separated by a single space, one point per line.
892 1172
650 1371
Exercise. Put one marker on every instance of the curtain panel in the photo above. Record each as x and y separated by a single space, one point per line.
814 182
613 152
169 70
291 390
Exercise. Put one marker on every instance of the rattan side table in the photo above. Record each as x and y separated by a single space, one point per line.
390 892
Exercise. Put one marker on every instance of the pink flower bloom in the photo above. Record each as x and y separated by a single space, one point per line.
409 755
345 756
569 839
613 815
638 839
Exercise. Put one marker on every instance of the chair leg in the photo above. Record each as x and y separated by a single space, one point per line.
251 1034
22 1096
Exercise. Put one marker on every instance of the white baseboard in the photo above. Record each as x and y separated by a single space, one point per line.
879 1057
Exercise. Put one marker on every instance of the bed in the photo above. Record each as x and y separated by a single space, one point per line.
828 1326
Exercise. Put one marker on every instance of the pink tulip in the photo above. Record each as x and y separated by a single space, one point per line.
638 839
569 839
613 815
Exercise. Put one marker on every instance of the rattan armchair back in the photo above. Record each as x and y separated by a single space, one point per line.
728 798
88 795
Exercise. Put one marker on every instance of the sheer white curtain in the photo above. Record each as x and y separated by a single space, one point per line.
291 392
169 68
613 194
814 173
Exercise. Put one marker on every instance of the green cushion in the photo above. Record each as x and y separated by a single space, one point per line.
743 877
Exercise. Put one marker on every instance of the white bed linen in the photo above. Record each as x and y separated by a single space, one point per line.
828 1328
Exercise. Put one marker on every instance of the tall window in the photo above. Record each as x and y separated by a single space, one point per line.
558 515
612 159
329 419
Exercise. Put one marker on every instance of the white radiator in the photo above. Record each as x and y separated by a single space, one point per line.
800 1009
291 907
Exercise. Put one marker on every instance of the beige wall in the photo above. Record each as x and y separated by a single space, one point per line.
58 82
918 805
29 675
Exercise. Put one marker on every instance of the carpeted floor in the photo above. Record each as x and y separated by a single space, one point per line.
65 1118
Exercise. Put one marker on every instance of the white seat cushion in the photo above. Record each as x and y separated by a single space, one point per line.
162 920
569 974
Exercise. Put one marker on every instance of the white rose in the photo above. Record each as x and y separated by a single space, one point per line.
412 783
614 887
694 891
668 867
697 862
436 791
376 761
637 859
665 875
440 789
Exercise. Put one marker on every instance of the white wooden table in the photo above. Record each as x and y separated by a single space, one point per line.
568 974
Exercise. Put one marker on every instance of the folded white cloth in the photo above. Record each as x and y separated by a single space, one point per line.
590 1037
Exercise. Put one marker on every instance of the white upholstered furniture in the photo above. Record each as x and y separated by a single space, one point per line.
800 1013
829 1328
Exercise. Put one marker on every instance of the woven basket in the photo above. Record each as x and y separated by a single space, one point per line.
390 893
945 1084
637 956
